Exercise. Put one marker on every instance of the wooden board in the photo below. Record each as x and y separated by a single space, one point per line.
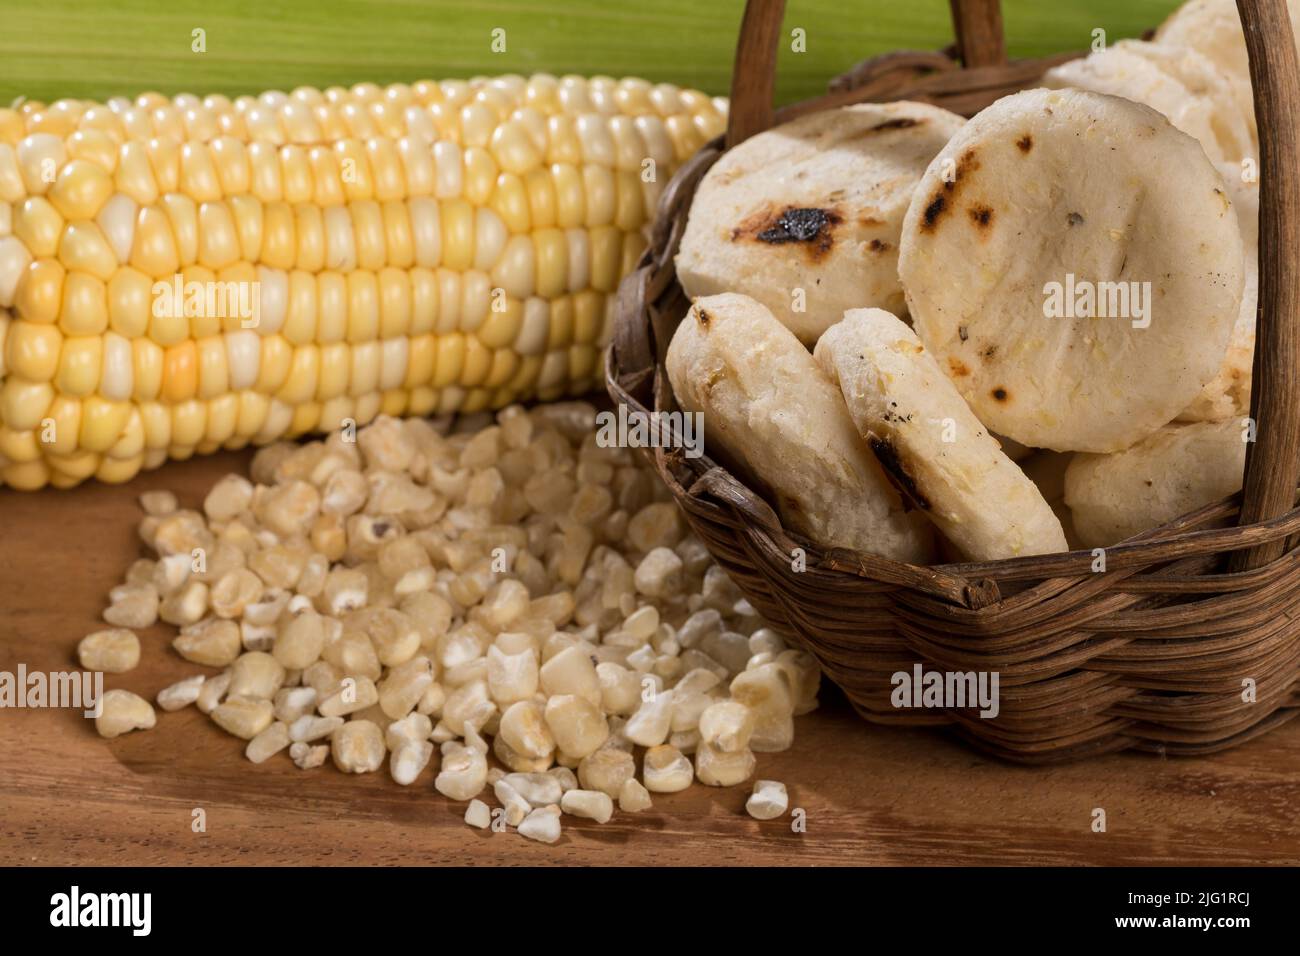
871 795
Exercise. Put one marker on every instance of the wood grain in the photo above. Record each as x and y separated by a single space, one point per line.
872 795
979 34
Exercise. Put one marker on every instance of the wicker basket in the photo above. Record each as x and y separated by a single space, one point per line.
1155 653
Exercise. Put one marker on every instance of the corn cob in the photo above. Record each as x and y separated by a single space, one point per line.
431 248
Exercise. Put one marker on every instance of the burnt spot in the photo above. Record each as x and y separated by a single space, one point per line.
999 394
982 216
811 228
1025 143
703 317
989 351
892 465
952 184
1074 219
956 367
903 122
962 333
875 245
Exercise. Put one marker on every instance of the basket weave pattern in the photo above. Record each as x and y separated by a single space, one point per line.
1186 642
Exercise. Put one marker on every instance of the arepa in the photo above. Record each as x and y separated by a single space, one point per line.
805 217
1174 471
771 414
928 441
1075 266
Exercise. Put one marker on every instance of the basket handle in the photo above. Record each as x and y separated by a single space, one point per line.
977 25
1273 460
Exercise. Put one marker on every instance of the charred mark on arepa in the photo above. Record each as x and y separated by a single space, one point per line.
946 194
702 317
876 245
812 228
981 215
956 367
999 394
1025 143
892 465
902 122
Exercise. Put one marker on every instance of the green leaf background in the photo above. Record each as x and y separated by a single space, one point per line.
63 48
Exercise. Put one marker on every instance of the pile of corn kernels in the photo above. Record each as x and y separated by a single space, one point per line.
412 589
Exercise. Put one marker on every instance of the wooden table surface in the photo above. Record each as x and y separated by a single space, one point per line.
871 795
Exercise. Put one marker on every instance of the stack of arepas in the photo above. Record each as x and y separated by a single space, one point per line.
927 338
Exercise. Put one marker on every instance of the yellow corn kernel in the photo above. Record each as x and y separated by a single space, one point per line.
340 239
248 215
40 157
535 326
84 310
70 470
477 364
21 446
480 175
168 323
501 325
39 225
116 375
277 355
116 220
422 402
116 471
476 296
394 355
331 307
134 175
264 172
146 369
490 237
300 321
570 196
399 244
223 415
230 157
301 381
426 232
198 175
448 300
180 379
325 176
599 193
424 301
457 234
588 316
26 476
102 422
450 360
394 303
253 410
363 306
563 145
295 174
449 170
386 169
335 370
81 189
517 270
279 239
354 170
306 418
243 358
96 146
131 443
300 125
165 160
629 208
153 251
32 350
157 421
364 377
530 367
417 163
212 365
11 178
83 246
551 262
368 234
189 423
217 236
40 291
310 229
422 353
393 402
579 259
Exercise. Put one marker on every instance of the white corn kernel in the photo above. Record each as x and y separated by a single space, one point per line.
114 651
213 692
514 805
606 770
358 747
727 726
243 717
307 757
409 761
310 727
542 824
181 694
719 769
576 725
122 712
590 804
290 703
478 814
768 801
652 722
463 774
666 770
632 797
268 743
539 789
523 729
